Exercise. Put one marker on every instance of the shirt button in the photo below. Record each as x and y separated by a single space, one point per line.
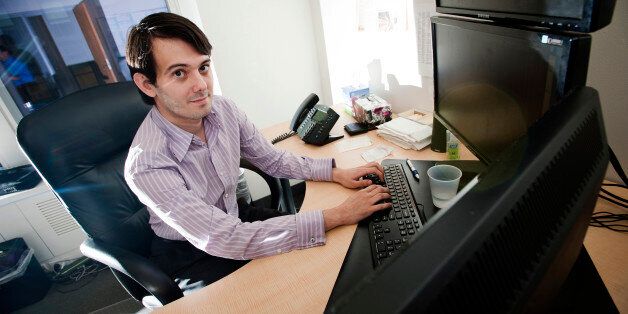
312 240
226 195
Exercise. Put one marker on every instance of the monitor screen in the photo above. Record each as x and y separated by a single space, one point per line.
510 240
492 82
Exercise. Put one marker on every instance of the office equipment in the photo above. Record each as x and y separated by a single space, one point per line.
79 145
515 74
312 122
357 128
415 173
18 179
391 230
510 241
579 16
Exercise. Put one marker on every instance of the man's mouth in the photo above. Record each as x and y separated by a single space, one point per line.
199 99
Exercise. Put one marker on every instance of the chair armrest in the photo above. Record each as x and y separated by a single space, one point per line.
273 183
136 267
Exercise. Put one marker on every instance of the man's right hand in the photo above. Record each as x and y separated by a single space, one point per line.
357 207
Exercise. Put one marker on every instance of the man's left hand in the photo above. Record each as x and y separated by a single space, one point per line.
350 178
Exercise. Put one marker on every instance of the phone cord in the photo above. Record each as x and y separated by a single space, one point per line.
283 137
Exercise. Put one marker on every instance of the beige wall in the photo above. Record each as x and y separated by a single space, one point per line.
265 54
608 73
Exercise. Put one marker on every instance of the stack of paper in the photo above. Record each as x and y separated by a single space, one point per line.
406 133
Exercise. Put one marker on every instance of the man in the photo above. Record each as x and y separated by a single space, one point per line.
17 71
184 162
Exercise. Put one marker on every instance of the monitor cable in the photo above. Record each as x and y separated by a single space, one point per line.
604 219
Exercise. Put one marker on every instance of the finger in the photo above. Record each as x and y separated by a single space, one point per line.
379 167
370 188
376 170
382 189
379 197
362 172
381 206
361 183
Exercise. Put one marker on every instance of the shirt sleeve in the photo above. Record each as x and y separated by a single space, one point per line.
162 189
256 149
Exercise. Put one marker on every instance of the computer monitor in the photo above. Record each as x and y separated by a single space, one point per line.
509 242
572 15
493 82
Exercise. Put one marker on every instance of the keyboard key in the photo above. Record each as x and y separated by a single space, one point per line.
411 231
389 242
402 227
379 236
398 247
390 248
402 232
397 241
387 230
382 255
381 247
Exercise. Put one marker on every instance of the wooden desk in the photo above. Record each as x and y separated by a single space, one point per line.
301 281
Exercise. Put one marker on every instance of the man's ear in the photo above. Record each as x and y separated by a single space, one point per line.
143 83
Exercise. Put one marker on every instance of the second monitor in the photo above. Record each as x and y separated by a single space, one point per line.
492 82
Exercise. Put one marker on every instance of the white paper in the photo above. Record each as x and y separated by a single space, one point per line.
353 143
377 153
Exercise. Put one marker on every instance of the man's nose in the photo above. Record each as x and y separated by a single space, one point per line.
199 83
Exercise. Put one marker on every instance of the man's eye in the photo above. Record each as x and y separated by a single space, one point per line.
178 73
204 68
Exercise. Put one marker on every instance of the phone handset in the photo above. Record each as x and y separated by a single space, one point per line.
312 122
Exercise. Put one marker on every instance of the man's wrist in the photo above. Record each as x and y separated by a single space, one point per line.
331 218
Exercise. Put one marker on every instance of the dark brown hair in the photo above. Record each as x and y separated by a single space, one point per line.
139 56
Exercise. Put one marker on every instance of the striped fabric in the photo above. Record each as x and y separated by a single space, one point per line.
189 185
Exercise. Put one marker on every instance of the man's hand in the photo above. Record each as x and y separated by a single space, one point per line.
357 207
350 178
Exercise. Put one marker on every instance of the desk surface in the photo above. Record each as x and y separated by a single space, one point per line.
301 281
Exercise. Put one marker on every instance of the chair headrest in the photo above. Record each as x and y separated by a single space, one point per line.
86 128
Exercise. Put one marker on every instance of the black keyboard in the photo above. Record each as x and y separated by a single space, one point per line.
390 230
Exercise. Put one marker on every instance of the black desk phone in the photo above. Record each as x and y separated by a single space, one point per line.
312 122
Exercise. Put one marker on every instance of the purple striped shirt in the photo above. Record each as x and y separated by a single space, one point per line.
189 185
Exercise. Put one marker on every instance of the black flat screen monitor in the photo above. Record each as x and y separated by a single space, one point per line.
493 82
508 243
573 15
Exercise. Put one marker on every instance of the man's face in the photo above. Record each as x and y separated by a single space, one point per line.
4 55
184 86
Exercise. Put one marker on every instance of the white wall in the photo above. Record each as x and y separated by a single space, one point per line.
265 54
608 73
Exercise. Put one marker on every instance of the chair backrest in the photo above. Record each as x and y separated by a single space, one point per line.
79 144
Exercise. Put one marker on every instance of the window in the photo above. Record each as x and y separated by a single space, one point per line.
381 44
51 48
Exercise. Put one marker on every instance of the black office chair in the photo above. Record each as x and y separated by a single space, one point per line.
79 144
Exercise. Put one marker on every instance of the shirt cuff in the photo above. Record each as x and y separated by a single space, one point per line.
310 229
321 169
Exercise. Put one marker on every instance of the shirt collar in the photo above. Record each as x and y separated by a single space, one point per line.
179 141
